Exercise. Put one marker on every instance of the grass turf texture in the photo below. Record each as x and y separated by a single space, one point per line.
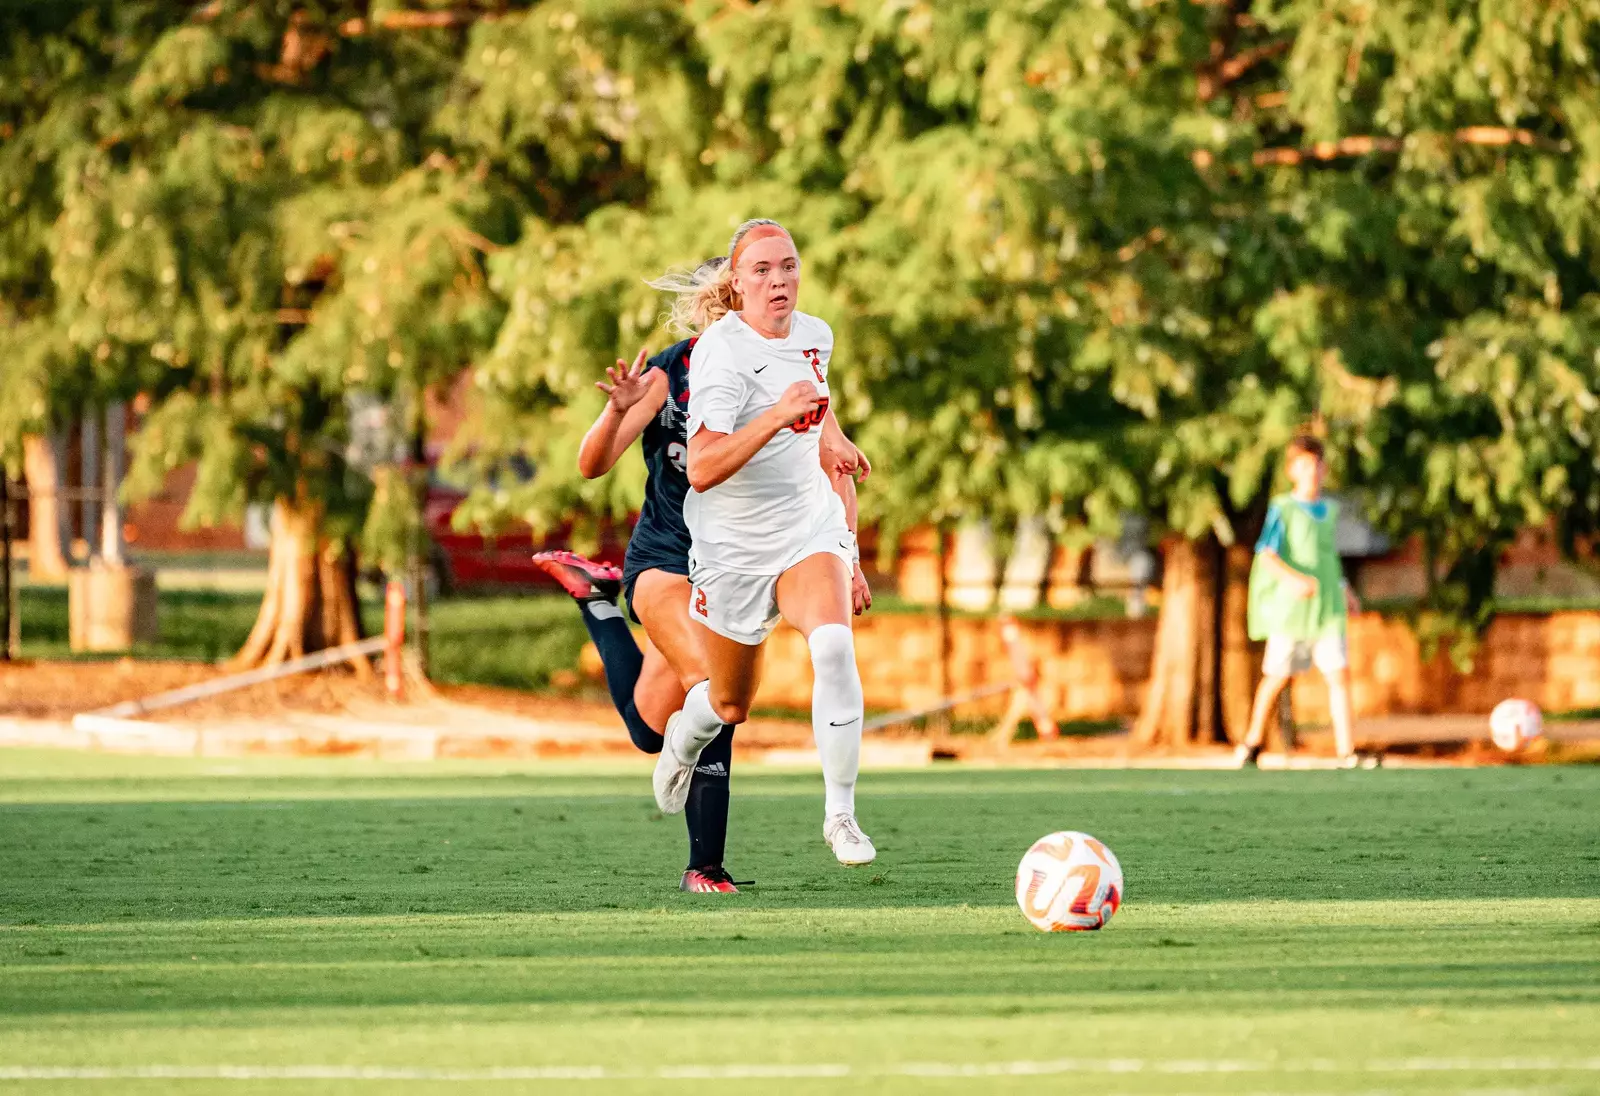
1392 931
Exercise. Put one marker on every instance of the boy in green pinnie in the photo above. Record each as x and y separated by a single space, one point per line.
1299 600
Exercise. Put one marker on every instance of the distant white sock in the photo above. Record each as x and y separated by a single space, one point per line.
697 725
836 712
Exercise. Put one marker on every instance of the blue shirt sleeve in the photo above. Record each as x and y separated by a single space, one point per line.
1271 539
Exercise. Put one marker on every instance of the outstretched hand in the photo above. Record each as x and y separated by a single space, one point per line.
629 384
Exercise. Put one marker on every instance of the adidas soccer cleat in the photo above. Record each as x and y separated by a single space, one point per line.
672 775
850 846
584 579
713 880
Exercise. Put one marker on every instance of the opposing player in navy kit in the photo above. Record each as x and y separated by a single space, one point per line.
648 401
771 540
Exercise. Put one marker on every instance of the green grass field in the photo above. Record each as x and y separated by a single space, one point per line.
318 926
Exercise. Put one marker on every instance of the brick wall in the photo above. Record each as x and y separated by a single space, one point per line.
1088 669
1098 669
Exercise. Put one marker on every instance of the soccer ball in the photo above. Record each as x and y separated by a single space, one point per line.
1515 723
1068 882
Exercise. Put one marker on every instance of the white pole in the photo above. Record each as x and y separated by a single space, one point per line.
111 543
88 505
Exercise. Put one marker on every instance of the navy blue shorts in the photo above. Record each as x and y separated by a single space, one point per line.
653 549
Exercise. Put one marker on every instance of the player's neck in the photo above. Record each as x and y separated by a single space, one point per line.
768 327
1307 495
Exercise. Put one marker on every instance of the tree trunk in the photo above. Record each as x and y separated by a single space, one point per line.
1241 659
310 600
1202 673
47 536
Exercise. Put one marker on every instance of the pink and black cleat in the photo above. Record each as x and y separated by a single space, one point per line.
583 578
714 880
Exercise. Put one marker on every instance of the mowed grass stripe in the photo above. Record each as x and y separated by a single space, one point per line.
1227 837
750 1071
352 917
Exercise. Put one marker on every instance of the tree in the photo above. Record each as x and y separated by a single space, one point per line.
246 221
1098 258
1455 252
49 81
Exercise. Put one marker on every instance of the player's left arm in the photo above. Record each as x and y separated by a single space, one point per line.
840 455
844 485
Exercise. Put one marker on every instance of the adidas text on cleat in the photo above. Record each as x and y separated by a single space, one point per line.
583 578
713 880
673 774
850 846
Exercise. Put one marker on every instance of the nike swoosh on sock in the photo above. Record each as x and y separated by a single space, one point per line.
843 723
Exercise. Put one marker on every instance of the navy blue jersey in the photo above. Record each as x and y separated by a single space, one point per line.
661 539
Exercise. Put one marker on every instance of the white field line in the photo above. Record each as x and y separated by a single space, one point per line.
797 1071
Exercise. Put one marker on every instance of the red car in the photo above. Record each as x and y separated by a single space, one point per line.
469 559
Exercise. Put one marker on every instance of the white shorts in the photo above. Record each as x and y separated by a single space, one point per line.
1287 656
744 608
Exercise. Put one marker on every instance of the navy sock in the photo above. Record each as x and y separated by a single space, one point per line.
706 812
644 737
622 660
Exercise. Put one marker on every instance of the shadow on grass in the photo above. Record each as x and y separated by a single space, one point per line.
174 849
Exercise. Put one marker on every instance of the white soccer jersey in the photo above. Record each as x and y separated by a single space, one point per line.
758 519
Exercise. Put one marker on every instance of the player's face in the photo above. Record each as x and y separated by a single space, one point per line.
768 278
1305 473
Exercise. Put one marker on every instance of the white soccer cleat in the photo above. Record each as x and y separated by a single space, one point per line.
850 846
672 776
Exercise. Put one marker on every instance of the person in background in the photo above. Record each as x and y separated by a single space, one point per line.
1299 599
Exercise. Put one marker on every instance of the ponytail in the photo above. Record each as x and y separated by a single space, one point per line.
703 296
699 298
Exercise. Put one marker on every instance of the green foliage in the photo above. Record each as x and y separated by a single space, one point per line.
1082 259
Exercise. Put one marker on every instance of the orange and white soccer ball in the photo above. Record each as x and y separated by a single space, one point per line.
1514 723
1068 882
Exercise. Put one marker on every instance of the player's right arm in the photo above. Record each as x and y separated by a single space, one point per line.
633 398
718 446
714 456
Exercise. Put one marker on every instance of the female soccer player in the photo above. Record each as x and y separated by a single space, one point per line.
645 401
770 539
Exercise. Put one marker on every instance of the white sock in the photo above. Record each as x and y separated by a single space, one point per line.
836 711
697 725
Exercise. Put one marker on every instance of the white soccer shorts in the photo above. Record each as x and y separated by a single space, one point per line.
744 608
1287 656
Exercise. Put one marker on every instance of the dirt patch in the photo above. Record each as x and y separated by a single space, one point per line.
61 690
763 733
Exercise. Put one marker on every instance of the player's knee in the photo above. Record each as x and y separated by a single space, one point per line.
833 652
642 736
732 712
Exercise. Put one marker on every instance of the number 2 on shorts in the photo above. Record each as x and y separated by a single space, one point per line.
699 601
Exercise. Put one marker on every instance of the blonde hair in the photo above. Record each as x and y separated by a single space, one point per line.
704 295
